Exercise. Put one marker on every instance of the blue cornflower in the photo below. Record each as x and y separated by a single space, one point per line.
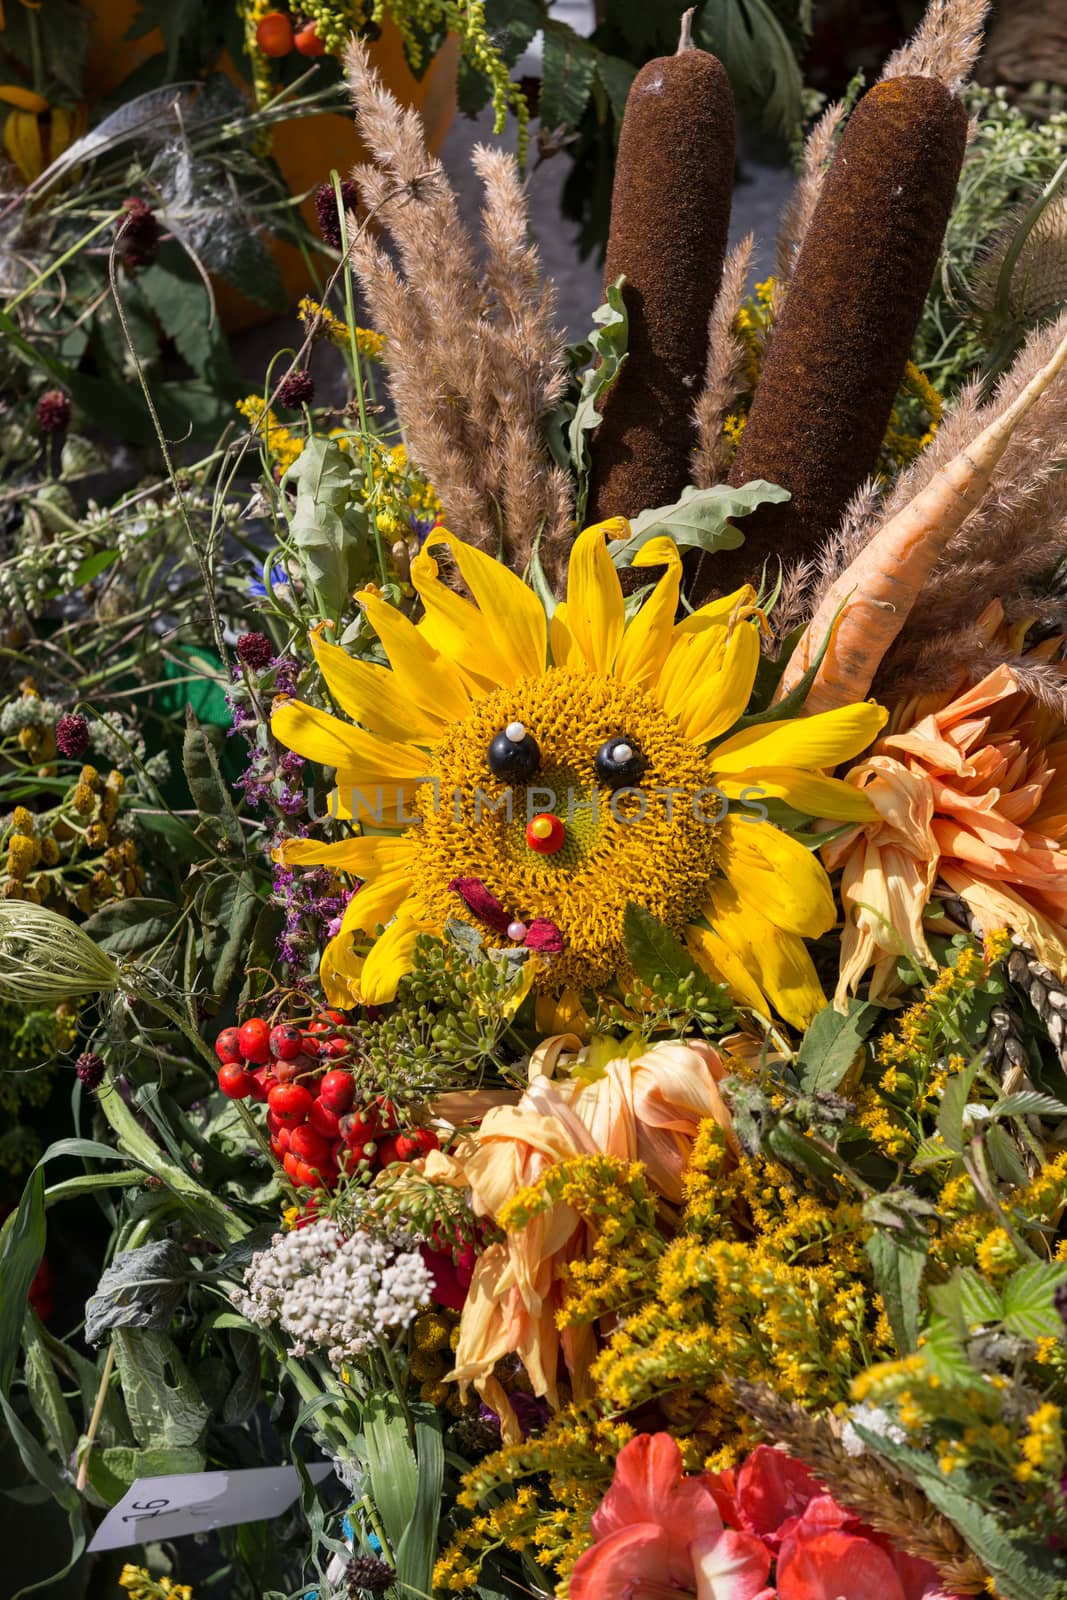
258 589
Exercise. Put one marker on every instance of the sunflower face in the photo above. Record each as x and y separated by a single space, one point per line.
537 775
644 842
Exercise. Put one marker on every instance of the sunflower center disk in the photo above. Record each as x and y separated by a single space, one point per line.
646 844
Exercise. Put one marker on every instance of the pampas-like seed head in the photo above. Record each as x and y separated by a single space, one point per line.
45 958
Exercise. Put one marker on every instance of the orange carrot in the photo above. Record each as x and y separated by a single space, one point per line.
879 589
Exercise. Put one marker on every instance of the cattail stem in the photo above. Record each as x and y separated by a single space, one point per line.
685 38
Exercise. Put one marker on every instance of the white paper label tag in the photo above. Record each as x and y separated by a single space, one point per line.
193 1502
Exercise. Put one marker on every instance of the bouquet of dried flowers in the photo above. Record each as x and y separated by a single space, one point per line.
550 913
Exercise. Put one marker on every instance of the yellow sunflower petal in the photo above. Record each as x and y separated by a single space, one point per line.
808 792
715 701
779 961
391 956
706 681
424 677
777 876
319 737
563 646
648 638
377 901
453 627
722 966
718 612
339 972
820 741
511 618
373 696
595 614
363 856
385 804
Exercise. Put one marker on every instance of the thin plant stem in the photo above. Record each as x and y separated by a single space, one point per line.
60 261
94 1421
357 374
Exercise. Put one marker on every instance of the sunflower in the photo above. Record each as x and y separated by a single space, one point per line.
539 773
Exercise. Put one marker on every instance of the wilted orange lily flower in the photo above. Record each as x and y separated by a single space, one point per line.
645 1107
974 796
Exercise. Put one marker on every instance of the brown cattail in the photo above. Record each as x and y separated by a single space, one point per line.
670 217
833 369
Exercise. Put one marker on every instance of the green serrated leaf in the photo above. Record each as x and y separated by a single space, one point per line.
657 956
208 787
749 40
945 1356
1022 1568
954 1100
1028 1103
164 1405
128 927
1028 1300
980 1300
615 77
898 1258
830 1044
700 519
568 65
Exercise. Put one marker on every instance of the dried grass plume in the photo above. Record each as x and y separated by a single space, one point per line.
475 359
945 45
726 354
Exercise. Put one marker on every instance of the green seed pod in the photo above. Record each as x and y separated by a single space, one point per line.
839 350
670 217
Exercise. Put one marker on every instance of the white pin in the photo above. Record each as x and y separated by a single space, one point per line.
515 731
517 931
622 753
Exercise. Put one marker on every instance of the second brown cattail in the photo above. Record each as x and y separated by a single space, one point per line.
670 217
840 347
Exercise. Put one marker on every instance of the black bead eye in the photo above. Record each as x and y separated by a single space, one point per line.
514 754
619 764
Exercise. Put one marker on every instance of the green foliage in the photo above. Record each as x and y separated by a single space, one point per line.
1010 160
700 520
330 527
602 355
831 1044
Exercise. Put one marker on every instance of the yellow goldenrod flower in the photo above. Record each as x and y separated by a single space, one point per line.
1042 1445
369 344
140 1585
284 447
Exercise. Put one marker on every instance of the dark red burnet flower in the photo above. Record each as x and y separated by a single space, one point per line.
256 651
53 411
326 210
297 390
139 234
90 1069
368 1574
72 735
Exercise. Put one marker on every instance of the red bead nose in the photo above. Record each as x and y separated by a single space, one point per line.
545 833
